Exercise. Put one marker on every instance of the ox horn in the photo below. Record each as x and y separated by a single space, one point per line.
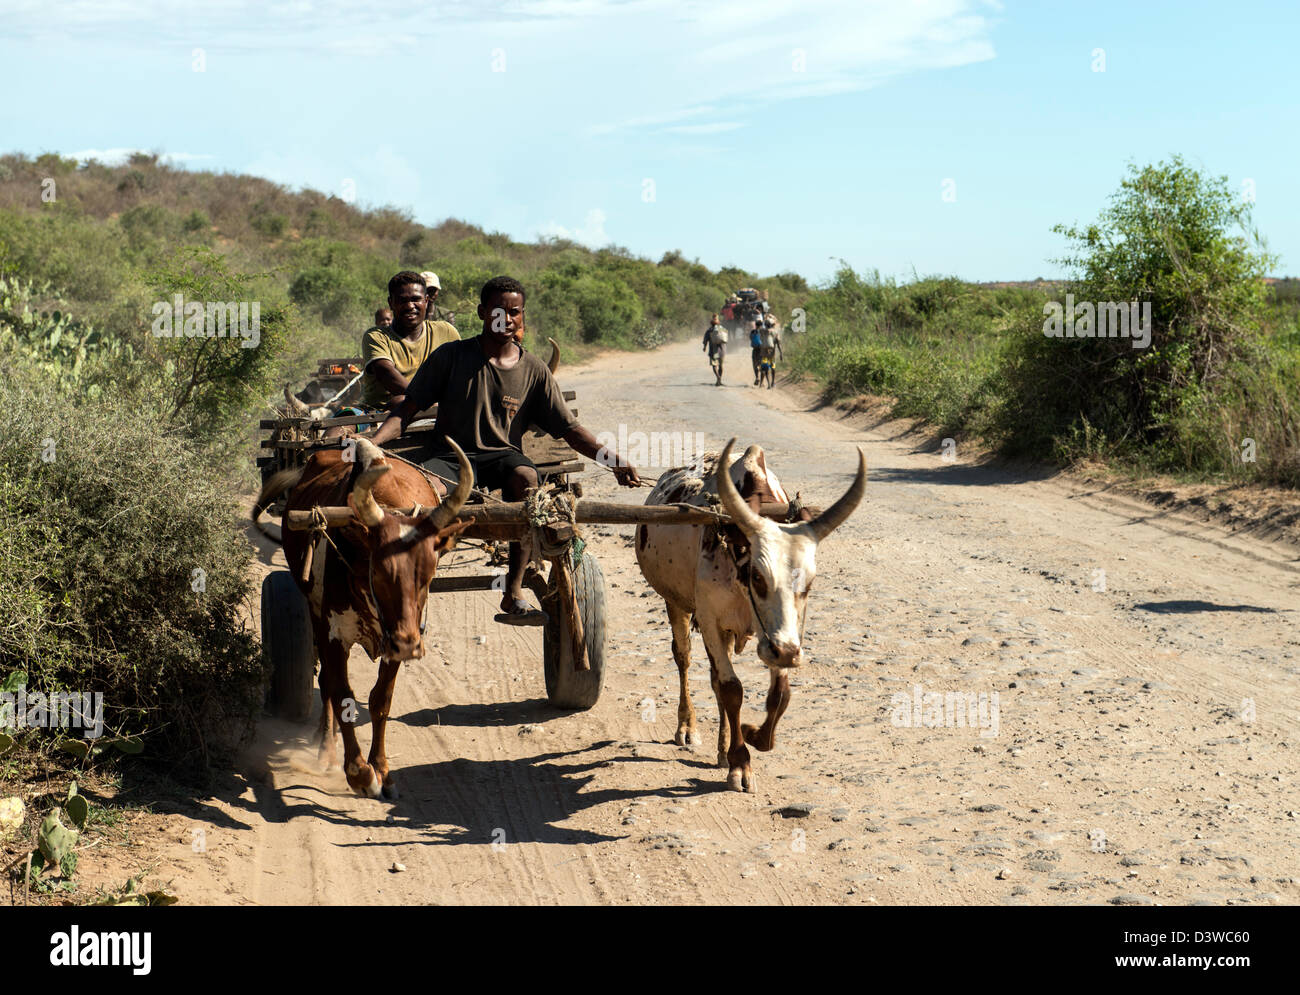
296 407
554 362
834 516
367 508
741 513
440 517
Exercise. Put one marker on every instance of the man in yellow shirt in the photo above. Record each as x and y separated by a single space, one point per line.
390 356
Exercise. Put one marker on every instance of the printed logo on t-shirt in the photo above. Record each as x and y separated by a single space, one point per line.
511 404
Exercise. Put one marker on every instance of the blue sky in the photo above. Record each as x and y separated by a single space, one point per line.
777 134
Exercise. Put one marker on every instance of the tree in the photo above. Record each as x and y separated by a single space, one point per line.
1180 241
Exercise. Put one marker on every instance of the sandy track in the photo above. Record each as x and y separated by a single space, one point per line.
1126 766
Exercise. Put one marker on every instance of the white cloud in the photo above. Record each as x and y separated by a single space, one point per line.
591 233
650 66
744 54
704 129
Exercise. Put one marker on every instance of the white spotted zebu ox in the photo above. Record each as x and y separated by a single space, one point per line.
366 582
749 577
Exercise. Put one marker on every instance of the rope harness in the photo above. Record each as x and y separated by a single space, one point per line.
547 508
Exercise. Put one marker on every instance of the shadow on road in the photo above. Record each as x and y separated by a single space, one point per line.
481 714
448 802
1187 607
958 475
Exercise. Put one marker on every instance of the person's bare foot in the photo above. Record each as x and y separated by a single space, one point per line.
517 611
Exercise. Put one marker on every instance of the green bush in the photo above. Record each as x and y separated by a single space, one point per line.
105 518
270 225
863 369
1182 242
208 384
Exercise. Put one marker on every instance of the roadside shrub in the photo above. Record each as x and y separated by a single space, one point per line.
1182 242
866 369
208 384
104 520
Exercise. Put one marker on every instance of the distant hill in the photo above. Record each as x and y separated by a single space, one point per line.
96 233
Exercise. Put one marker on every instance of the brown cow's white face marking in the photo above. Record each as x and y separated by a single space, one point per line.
402 563
783 563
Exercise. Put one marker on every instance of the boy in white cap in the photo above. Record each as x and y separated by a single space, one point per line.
434 288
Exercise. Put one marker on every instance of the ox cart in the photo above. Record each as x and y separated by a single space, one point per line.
569 586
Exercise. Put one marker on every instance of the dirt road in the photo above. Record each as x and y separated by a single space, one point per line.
1138 673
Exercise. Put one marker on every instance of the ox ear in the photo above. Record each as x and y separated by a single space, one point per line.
800 513
445 540
732 503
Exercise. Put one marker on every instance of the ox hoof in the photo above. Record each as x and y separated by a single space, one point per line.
722 760
365 782
688 738
741 780
391 792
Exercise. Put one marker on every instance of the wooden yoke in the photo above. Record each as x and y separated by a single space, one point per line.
588 512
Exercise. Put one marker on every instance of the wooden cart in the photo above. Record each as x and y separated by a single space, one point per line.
571 591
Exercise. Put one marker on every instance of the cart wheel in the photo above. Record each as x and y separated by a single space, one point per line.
288 646
566 687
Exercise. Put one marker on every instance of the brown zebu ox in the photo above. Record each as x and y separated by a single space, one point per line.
746 577
366 582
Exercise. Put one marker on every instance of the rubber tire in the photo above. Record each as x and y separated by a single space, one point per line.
565 687
288 647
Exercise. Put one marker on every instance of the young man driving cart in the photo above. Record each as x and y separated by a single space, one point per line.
489 391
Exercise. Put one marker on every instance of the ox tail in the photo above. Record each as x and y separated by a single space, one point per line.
276 485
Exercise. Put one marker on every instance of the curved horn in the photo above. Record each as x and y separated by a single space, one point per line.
834 516
296 407
440 517
735 506
554 361
363 501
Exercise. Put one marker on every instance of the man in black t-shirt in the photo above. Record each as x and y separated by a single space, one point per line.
489 391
